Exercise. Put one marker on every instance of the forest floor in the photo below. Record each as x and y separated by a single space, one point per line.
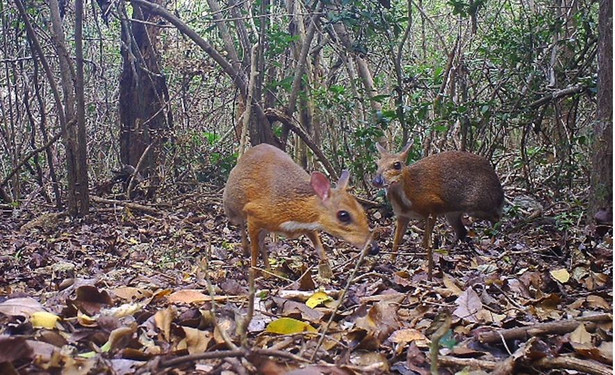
165 289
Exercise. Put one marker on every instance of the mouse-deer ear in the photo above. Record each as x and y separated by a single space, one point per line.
321 185
381 150
406 150
342 183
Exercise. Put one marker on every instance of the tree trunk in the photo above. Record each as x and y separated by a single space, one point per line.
81 154
76 159
601 188
144 114
303 69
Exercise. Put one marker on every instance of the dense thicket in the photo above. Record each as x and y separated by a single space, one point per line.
167 85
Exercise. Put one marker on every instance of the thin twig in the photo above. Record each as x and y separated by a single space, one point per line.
247 112
342 296
244 322
131 182
29 156
131 205
212 294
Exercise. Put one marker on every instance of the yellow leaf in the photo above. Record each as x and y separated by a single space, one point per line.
289 326
103 349
86 320
317 298
561 275
44 319
124 310
118 338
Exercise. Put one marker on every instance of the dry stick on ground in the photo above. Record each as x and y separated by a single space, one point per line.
525 357
569 363
221 354
242 325
572 363
447 361
342 295
131 205
523 333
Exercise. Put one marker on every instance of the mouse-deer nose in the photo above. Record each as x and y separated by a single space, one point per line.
378 181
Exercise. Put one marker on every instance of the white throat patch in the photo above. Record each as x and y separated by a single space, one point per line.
295 226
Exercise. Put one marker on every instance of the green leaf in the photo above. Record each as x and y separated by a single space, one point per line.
448 341
380 98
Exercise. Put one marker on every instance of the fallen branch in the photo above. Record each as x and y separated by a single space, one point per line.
448 361
524 333
568 363
131 205
221 354
572 363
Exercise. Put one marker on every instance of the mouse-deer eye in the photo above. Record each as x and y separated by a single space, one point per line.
344 216
397 165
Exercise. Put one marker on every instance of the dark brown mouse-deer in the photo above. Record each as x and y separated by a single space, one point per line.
446 184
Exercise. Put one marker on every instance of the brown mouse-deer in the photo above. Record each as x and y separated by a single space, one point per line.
449 183
267 192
